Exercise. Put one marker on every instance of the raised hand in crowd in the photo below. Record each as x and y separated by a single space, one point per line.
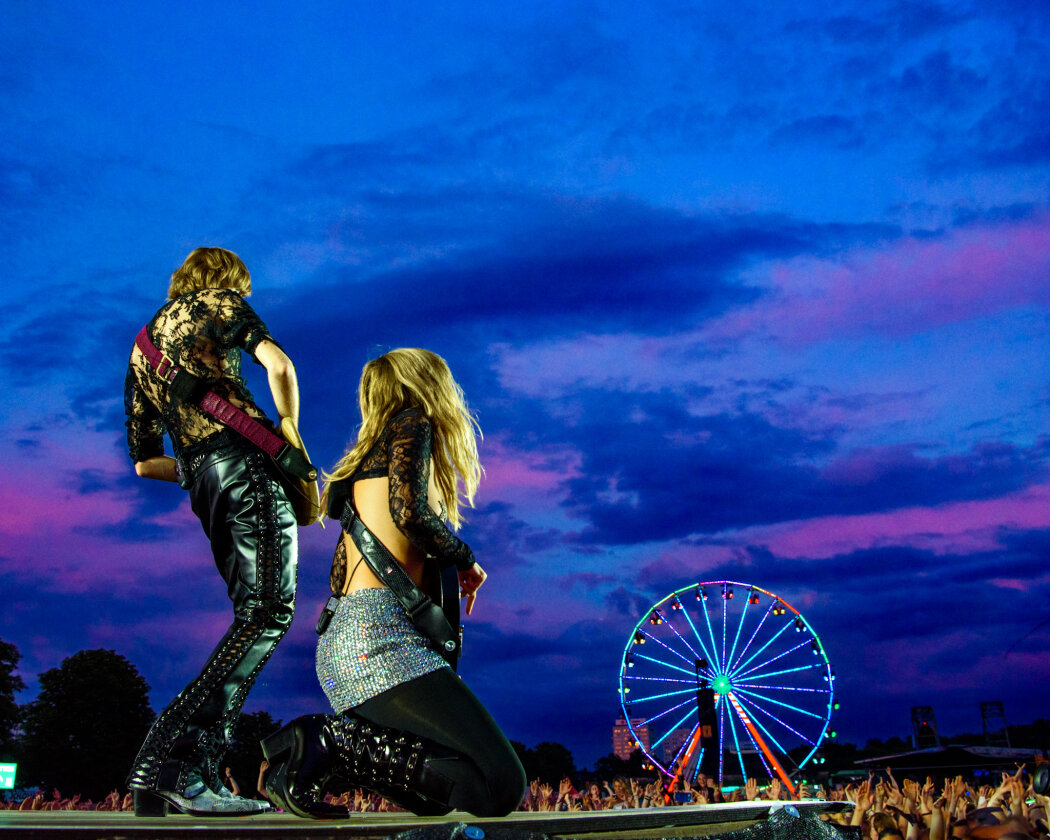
751 789
774 789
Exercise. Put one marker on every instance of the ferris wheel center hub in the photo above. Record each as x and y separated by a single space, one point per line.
721 684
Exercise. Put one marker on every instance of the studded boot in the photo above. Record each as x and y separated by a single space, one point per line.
316 754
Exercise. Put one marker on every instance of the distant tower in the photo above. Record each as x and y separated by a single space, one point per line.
994 720
623 739
924 725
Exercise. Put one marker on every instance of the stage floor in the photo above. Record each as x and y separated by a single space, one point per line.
638 824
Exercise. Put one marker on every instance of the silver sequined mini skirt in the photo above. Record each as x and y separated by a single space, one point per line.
370 645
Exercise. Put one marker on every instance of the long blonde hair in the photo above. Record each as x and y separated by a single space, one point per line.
411 377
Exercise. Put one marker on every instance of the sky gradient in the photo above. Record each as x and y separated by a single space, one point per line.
757 292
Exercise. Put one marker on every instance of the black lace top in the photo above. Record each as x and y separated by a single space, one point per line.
203 332
402 453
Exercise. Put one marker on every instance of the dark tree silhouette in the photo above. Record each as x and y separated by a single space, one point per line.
549 761
245 754
612 765
10 682
82 732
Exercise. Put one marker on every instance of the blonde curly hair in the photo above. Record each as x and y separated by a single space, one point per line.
210 268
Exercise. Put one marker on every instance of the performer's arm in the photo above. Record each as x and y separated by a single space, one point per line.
162 468
410 448
280 372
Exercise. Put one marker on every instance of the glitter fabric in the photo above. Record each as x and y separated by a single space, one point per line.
370 646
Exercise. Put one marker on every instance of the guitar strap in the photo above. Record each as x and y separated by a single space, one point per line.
184 385
425 614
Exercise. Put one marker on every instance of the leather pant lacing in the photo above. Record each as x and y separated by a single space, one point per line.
249 521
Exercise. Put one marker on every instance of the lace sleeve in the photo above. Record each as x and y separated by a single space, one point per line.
410 444
239 326
145 429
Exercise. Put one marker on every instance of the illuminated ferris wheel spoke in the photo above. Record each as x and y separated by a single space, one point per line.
725 609
761 624
668 647
788 652
758 652
660 696
721 737
687 742
700 641
762 681
795 670
752 686
757 723
756 697
684 642
690 671
736 743
667 712
678 725
755 707
710 632
736 638
760 748
678 680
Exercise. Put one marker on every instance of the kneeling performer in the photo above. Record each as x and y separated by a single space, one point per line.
406 726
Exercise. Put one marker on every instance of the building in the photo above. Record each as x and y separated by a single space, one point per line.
624 740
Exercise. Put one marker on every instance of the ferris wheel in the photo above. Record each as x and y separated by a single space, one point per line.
722 675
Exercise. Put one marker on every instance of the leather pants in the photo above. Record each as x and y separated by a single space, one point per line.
244 511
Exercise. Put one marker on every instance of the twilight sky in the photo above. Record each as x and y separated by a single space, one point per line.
746 291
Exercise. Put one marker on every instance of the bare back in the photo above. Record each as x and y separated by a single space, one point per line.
394 492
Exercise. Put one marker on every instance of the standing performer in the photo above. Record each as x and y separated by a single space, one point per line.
406 726
189 354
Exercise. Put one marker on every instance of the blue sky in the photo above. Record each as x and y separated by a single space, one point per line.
755 292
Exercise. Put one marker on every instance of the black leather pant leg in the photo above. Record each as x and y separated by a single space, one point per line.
252 530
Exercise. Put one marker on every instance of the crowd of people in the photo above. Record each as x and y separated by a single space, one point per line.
882 808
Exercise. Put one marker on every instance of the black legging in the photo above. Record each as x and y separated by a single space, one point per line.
488 779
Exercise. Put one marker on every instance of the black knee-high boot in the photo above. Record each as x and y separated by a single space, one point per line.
316 752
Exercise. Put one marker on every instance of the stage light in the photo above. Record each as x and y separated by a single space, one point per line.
727 591
753 596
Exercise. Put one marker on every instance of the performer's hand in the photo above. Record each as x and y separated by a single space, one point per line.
470 581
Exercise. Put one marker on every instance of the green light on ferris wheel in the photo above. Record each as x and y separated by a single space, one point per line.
721 684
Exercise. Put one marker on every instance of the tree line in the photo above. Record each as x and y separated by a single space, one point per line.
83 730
